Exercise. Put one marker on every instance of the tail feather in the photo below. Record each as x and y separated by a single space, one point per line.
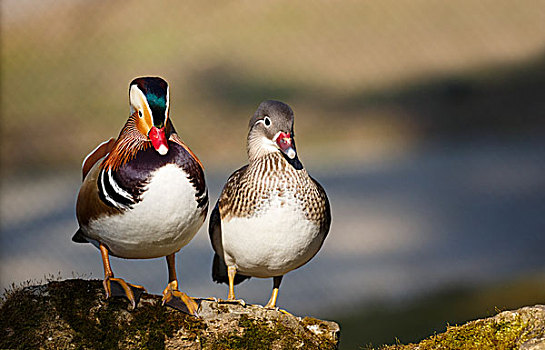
78 237
219 272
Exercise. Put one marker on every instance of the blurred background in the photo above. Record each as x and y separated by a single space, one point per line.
424 121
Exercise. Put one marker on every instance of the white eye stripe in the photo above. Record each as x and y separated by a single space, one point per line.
167 102
139 101
265 121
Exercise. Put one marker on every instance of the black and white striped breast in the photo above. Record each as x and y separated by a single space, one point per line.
123 188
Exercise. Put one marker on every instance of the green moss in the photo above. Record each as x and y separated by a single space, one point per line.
478 335
258 334
309 321
380 323
76 311
491 335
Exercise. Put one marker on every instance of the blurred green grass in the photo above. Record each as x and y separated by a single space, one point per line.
371 326
365 78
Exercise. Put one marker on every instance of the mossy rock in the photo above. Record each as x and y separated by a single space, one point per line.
73 314
519 329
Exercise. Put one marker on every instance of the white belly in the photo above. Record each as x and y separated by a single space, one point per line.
271 243
164 221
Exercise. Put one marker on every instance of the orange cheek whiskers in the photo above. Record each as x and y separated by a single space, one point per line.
130 141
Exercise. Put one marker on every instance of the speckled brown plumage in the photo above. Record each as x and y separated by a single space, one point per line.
250 188
271 216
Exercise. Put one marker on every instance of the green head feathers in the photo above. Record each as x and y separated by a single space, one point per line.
159 102
155 90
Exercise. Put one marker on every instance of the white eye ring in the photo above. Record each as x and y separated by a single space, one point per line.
267 121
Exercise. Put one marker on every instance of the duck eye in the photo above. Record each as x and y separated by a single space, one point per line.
267 121
140 114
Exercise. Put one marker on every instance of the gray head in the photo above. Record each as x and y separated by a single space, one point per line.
271 130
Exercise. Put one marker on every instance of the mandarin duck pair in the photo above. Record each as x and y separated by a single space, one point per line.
144 196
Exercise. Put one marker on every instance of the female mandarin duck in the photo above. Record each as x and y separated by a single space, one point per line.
144 194
271 217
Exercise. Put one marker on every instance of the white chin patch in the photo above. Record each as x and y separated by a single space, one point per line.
290 152
163 150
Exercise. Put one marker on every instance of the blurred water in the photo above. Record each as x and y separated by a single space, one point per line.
438 216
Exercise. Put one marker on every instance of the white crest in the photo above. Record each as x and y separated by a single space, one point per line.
138 99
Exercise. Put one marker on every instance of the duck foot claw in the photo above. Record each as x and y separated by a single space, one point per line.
117 287
276 308
232 301
181 302
284 311
214 299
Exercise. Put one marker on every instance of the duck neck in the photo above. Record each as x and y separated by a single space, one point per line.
128 143
259 146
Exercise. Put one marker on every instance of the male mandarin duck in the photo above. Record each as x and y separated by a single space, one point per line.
143 195
271 216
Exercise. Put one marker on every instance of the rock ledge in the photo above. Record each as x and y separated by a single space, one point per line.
74 314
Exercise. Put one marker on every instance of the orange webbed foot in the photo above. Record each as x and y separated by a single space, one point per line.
117 287
180 301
